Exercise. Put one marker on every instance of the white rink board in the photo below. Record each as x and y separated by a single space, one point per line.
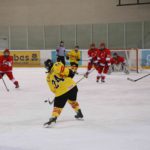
131 60
117 114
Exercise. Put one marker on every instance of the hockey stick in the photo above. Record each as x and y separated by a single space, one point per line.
135 80
84 60
84 77
79 74
48 101
51 102
5 85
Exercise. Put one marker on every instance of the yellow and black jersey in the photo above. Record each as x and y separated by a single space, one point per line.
58 80
74 56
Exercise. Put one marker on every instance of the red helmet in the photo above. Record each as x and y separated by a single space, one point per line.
102 46
6 52
115 54
92 45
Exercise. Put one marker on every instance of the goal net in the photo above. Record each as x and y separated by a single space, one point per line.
132 58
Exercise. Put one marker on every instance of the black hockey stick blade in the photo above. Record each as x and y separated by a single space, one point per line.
138 78
48 101
132 80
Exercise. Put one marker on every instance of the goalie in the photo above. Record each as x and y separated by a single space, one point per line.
118 64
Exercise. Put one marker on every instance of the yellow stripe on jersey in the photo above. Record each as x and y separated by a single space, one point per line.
58 80
74 56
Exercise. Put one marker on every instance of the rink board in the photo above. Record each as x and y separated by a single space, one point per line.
36 58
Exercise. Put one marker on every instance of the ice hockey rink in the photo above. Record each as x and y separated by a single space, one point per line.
117 114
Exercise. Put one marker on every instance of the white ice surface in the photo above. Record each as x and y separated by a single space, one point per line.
117 114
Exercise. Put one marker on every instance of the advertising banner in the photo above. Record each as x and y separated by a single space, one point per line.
145 56
25 58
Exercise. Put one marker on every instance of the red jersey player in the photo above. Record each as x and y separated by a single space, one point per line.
118 63
6 65
116 59
92 58
104 56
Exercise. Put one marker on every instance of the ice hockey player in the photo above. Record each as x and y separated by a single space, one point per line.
6 66
60 82
118 63
60 52
104 56
74 58
92 58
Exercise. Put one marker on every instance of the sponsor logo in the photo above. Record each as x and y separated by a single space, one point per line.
26 58
146 58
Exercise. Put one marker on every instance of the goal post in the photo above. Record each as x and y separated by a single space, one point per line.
131 56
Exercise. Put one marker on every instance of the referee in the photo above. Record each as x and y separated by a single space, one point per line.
61 52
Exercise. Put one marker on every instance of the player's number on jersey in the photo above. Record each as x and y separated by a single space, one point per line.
56 81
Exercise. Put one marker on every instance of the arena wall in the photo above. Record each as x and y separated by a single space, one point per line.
56 12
